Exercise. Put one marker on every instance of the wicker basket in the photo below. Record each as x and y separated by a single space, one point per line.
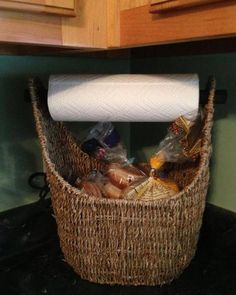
119 241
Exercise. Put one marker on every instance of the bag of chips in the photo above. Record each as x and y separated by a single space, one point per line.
182 143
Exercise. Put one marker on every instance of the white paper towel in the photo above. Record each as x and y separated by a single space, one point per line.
125 98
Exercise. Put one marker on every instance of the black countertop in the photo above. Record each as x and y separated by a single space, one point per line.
31 261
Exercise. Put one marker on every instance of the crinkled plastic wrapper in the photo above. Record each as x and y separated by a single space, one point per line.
182 142
151 189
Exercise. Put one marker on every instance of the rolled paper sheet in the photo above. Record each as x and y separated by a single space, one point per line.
123 98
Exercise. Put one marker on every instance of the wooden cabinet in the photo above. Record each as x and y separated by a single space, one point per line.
90 28
157 6
105 24
139 27
58 7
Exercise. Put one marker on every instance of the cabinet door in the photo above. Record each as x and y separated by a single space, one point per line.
58 7
176 21
162 5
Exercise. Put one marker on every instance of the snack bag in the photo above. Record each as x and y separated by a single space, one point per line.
182 143
123 176
104 143
91 184
97 185
151 189
111 191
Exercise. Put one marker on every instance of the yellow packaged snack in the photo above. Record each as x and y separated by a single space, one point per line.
151 189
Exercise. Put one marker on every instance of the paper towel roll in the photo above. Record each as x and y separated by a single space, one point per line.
124 98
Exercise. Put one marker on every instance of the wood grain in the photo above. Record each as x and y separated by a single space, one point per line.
166 5
30 28
113 23
20 5
128 4
89 27
69 4
139 27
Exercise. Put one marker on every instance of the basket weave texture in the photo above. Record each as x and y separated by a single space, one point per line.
123 242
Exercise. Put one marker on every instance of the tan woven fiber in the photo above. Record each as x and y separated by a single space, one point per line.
121 241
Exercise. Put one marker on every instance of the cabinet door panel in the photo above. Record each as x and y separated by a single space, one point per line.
54 3
162 5
139 27
59 7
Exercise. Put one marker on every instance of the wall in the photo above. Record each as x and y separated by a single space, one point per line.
19 149
223 164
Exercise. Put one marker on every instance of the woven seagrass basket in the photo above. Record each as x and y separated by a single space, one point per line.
119 241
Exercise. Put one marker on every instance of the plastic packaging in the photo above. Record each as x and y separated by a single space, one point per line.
111 191
151 189
104 143
145 182
91 184
123 176
98 185
182 142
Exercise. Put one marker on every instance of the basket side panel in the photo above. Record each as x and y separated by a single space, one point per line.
120 242
126 243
